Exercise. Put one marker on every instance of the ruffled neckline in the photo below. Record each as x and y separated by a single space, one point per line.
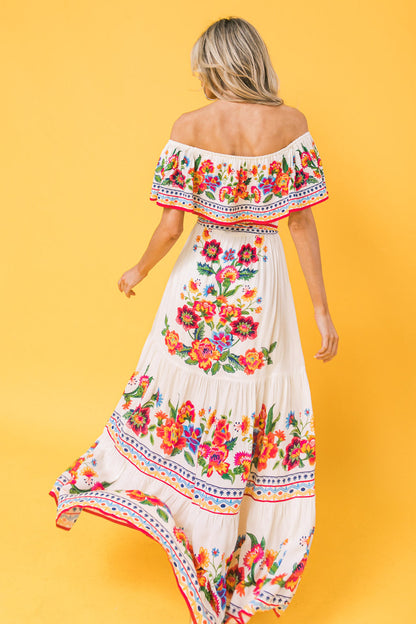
238 157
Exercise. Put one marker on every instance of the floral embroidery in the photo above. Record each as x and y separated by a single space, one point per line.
256 569
263 190
256 183
267 441
161 509
84 476
260 564
212 455
179 431
227 322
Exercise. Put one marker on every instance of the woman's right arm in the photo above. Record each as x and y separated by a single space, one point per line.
164 237
303 230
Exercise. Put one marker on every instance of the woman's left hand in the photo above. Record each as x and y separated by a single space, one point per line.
129 279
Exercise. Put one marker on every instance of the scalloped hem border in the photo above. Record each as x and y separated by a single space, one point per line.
230 620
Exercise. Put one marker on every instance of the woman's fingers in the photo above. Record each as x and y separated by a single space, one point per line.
324 346
328 349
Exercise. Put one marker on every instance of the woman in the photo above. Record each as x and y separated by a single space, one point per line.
211 448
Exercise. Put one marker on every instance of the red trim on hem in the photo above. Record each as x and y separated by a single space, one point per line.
260 224
130 525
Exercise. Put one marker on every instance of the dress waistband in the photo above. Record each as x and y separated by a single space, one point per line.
240 227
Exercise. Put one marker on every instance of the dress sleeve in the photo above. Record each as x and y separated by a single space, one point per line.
172 185
308 177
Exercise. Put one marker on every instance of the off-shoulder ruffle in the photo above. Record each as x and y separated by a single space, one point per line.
230 189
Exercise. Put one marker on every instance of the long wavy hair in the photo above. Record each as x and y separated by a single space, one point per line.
234 63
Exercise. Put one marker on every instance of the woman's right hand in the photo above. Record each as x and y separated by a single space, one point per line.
329 335
129 279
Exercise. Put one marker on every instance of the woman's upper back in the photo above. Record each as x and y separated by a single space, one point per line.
239 128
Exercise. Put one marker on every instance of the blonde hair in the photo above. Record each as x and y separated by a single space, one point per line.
234 63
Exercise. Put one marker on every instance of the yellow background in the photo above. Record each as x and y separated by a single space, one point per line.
90 90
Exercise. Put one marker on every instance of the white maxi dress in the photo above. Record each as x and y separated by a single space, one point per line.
211 448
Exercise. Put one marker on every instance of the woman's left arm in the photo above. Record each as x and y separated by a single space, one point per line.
164 237
303 230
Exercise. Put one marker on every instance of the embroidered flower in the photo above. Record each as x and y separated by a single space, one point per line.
294 578
212 249
245 425
281 186
199 184
203 557
256 194
144 383
204 352
247 254
193 437
193 286
187 317
216 460
301 178
177 178
229 255
158 398
171 433
222 340
228 312
290 420
172 341
265 449
138 420
234 576
205 308
212 182
206 166
275 168
222 432
243 459
209 290
269 558
252 360
307 446
254 555
186 412
293 451
244 327
230 273
250 294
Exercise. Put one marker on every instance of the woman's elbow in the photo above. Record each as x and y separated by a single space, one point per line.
172 223
299 219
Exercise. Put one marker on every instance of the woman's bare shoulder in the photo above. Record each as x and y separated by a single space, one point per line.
281 120
183 126
296 121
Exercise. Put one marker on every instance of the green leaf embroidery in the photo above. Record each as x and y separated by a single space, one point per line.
200 331
189 458
205 269
215 368
162 513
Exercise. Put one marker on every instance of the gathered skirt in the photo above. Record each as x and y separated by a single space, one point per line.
211 448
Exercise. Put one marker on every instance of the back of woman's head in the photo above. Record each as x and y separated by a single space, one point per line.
234 64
